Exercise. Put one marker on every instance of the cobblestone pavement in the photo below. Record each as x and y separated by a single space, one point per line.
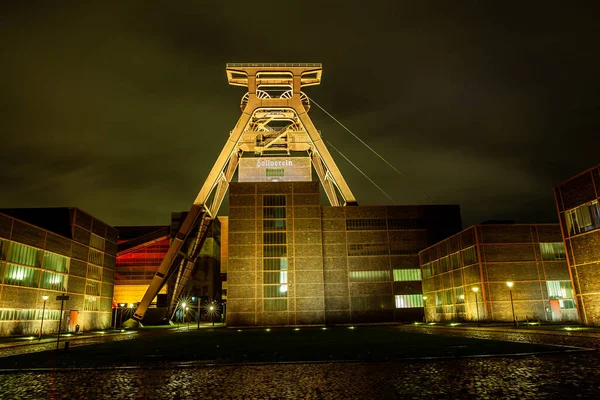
565 376
561 339
551 376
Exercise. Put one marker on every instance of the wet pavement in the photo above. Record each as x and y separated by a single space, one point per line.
566 375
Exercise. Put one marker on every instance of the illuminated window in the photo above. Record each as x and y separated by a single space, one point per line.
25 255
371 302
583 218
53 281
275 251
275 304
55 262
274 212
409 301
275 277
560 289
277 200
435 267
21 276
407 274
90 303
369 276
445 264
28 315
275 171
552 251
459 295
275 264
454 261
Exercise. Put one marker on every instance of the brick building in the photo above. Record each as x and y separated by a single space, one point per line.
577 201
294 262
486 257
50 252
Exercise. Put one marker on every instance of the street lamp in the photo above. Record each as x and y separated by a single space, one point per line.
212 314
425 307
43 312
512 305
182 312
475 290
188 321
121 306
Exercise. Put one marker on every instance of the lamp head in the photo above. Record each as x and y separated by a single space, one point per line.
183 305
475 289
510 284
45 298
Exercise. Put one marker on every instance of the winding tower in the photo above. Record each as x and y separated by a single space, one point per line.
274 122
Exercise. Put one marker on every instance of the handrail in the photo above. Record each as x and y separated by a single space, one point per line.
231 65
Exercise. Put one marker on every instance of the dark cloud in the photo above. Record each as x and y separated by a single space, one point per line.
122 109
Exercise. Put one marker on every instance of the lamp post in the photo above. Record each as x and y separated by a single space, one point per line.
121 306
43 312
512 305
475 290
425 307
183 305
187 319
212 314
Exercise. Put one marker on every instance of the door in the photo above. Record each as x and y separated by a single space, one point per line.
555 309
73 320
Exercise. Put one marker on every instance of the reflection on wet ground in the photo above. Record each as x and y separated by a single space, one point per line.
549 376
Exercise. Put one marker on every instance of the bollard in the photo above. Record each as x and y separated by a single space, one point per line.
66 346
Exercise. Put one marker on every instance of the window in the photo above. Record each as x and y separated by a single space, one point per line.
426 268
97 242
274 225
275 277
560 289
56 262
407 223
277 200
371 302
366 225
435 267
367 249
274 212
25 255
96 257
583 218
407 274
92 288
275 304
404 248
552 251
90 303
409 301
369 276
275 171
3 249
53 281
459 295
448 301
274 251
469 255
274 238
21 276
28 315
454 261
445 264
438 303
275 264
94 272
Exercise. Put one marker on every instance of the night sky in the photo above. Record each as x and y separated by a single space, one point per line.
122 110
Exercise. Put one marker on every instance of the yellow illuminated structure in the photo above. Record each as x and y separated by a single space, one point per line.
274 122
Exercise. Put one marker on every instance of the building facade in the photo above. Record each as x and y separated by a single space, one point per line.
141 250
486 257
52 252
577 203
294 262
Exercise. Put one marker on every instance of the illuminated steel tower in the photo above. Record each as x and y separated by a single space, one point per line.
274 121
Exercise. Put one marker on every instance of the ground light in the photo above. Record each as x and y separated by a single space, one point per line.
268 329
454 324
296 329
350 327
324 328
239 330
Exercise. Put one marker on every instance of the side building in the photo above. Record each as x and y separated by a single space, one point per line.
577 203
294 262
467 276
51 252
